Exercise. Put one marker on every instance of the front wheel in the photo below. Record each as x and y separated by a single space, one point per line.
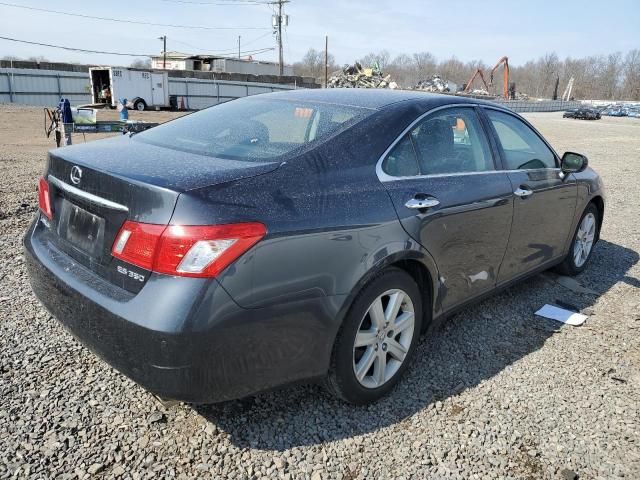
378 338
583 241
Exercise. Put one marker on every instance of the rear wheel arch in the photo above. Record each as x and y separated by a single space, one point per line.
417 264
598 201
342 379
421 275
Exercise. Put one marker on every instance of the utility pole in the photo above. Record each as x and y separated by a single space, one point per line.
326 61
280 59
277 21
238 47
164 51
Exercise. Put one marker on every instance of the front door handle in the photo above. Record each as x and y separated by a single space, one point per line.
419 203
523 192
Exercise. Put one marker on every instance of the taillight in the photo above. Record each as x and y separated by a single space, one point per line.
136 243
190 251
44 198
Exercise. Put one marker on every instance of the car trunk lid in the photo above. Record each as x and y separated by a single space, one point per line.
96 187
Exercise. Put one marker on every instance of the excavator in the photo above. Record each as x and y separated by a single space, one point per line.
477 73
503 61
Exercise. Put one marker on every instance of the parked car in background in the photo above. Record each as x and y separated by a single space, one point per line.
583 113
298 236
617 112
633 112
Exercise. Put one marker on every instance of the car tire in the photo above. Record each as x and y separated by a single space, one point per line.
575 262
140 105
391 348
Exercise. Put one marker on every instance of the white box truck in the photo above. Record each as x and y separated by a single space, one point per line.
142 88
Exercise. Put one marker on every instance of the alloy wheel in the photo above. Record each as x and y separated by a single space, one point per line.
584 239
383 338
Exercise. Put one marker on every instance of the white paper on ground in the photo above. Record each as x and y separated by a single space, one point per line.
561 315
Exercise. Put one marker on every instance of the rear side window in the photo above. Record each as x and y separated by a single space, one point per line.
523 148
253 129
452 141
401 161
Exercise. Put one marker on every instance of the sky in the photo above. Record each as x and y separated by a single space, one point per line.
469 30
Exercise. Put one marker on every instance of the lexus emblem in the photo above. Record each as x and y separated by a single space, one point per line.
76 175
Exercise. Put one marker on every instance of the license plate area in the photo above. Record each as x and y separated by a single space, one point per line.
81 228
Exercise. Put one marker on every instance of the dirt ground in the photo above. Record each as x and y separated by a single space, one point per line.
497 393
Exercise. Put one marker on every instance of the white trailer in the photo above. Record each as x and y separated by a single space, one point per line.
142 88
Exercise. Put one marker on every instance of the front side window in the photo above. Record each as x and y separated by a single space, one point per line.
446 142
523 148
253 129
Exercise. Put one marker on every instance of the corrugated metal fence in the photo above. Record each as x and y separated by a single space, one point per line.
198 93
538 106
46 87
43 87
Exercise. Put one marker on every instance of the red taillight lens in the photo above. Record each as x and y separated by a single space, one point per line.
44 198
191 251
136 243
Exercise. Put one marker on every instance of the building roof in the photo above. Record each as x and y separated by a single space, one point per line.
172 55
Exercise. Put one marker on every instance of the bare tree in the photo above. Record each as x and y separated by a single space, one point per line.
312 64
139 63
425 64
381 58
631 83
611 76
38 59
605 77
402 70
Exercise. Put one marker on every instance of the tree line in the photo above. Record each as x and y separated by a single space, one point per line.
600 77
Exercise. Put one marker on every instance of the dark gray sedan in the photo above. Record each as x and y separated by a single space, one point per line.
298 236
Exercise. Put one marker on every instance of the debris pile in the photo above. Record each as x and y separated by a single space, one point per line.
354 76
433 84
480 91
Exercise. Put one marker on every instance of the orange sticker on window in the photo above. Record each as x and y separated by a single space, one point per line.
303 112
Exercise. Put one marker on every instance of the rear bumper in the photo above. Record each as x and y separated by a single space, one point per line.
183 338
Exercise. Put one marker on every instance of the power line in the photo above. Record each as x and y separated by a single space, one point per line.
73 49
221 53
83 50
239 3
136 22
227 49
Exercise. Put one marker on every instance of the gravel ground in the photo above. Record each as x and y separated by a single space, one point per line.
496 393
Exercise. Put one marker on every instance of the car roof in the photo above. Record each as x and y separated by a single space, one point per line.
369 97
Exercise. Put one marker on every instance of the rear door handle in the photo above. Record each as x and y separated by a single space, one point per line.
523 192
419 203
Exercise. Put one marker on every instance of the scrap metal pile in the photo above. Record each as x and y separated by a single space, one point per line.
433 84
354 76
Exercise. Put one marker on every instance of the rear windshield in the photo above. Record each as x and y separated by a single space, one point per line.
253 129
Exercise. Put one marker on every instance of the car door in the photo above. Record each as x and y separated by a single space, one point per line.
441 177
545 199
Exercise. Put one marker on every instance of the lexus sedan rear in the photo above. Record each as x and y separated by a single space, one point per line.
300 236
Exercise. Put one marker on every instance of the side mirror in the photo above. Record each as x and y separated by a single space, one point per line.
573 162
